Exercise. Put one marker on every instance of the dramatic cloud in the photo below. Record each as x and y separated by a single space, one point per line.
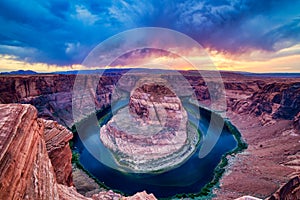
64 32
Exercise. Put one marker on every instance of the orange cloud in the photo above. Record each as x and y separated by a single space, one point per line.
285 60
10 63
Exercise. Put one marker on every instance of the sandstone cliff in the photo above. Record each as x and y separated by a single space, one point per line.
271 102
52 94
57 140
26 171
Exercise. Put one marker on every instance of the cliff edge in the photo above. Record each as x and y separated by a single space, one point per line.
35 158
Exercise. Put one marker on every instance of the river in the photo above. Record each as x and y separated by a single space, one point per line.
190 177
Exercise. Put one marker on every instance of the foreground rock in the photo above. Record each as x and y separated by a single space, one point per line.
151 133
57 140
26 171
25 168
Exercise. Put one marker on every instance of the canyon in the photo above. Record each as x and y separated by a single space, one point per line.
36 157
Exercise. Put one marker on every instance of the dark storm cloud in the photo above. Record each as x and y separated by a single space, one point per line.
235 26
63 32
60 33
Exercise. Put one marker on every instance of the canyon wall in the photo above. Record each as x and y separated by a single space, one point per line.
277 100
35 158
266 98
52 94
57 140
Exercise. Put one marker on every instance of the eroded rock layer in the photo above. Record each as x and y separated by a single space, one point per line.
290 190
26 171
57 140
271 102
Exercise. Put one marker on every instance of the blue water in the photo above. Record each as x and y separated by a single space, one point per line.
190 177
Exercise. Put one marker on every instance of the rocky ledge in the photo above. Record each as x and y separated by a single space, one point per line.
25 168
152 133
35 158
57 140
290 190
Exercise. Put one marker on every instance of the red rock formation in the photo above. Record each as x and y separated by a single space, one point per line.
57 140
140 196
276 100
289 191
106 195
296 122
25 169
67 193
52 94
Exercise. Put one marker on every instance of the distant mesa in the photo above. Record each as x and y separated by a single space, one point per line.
19 72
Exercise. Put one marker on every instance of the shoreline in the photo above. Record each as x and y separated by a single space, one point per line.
270 169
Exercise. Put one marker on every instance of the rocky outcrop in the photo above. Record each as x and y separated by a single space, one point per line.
57 140
140 196
296 122
289 191
271 102
67 193
25 169
151 133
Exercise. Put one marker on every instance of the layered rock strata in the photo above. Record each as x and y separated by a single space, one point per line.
151 133
52 94
26 171
57 140
290 190
271 102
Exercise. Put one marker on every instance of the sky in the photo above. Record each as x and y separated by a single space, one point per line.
238 35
